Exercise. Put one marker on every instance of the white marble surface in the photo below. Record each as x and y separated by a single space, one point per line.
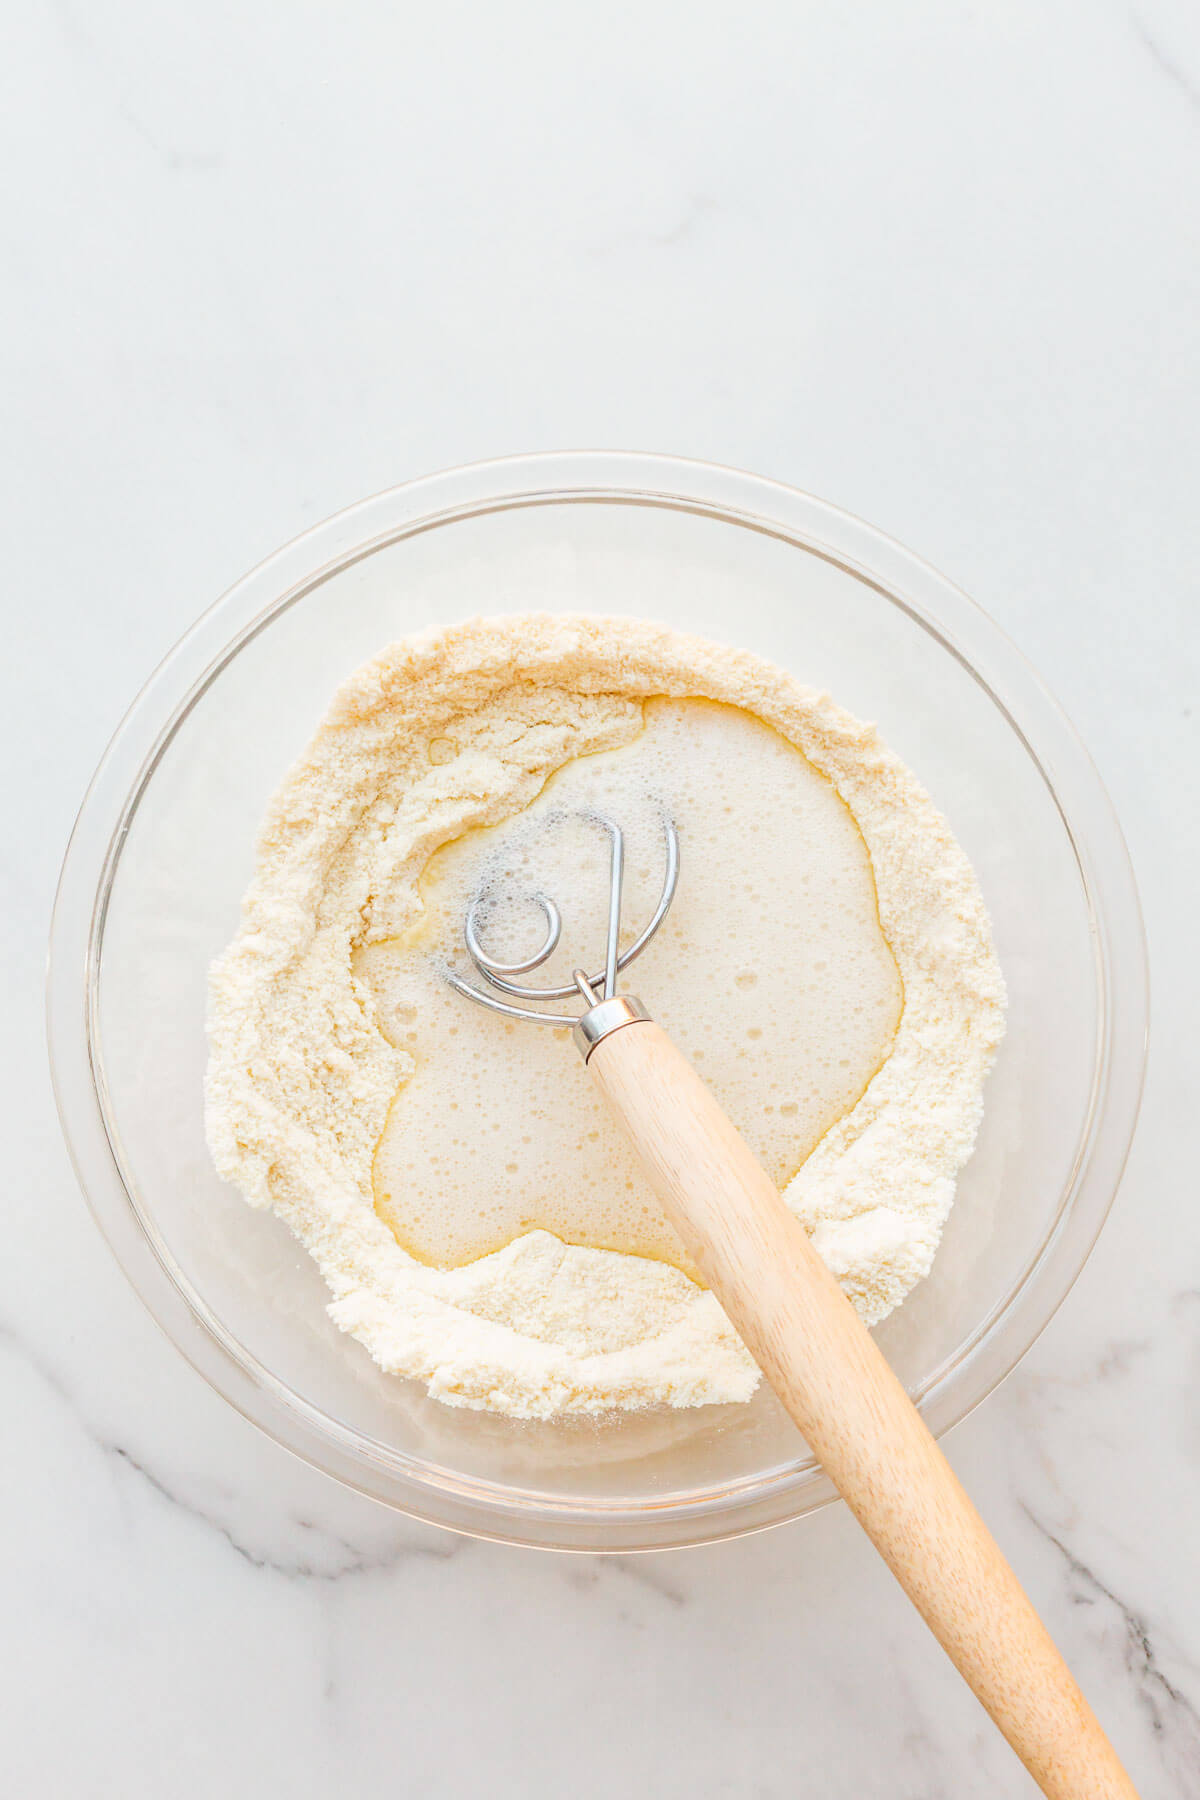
938 263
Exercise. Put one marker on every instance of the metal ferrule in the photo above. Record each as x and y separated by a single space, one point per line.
601 1020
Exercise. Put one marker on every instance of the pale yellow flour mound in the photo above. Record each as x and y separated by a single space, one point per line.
461 729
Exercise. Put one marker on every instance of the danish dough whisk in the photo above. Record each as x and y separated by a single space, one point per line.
822 1362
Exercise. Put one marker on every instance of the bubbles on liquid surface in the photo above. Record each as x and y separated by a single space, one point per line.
771 972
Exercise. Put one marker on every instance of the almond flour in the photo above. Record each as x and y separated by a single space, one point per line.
457 732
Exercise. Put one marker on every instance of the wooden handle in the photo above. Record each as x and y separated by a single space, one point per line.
856 1417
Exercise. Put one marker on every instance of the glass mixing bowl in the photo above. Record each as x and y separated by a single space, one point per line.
163 849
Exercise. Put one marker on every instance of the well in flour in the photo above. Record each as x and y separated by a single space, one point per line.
771 972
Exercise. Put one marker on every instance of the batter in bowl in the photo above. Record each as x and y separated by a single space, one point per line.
827 964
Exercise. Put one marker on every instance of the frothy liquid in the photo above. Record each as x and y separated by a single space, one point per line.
771 973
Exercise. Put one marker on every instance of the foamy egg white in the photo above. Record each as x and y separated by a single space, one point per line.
771 972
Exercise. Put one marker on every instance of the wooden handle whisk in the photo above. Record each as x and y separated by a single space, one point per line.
814 1350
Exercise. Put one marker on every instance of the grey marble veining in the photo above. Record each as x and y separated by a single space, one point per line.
938 264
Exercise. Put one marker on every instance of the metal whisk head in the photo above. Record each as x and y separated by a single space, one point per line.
591 988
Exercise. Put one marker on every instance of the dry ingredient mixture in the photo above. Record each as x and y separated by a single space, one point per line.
828 964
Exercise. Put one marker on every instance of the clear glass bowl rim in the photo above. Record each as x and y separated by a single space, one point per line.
435 1494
